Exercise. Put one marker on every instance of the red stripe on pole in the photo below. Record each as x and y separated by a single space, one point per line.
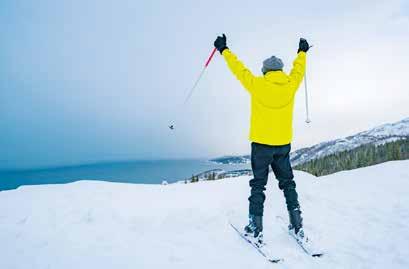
210 57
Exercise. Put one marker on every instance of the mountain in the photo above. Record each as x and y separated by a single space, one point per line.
360 218
362 156
376 136
241 159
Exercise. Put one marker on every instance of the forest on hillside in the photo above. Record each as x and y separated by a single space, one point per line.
362 156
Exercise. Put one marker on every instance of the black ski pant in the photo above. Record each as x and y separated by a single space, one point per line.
278 157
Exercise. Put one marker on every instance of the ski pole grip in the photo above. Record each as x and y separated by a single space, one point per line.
210 57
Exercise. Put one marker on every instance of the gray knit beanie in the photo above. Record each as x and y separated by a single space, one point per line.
272 64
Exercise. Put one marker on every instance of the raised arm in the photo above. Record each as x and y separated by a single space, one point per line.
242 73
298 70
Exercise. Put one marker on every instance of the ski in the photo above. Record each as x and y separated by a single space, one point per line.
305 246
257 246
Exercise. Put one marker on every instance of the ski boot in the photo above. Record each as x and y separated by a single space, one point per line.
295 227
255 229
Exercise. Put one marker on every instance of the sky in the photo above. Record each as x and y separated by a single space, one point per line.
98 80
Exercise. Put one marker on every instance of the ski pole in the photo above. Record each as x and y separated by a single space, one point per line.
307 112
172 125
200 76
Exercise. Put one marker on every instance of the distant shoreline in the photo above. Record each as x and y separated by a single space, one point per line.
136 172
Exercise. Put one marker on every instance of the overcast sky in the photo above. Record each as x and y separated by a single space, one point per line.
84 81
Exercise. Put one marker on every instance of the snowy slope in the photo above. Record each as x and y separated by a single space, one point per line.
378 135
241 159
360 217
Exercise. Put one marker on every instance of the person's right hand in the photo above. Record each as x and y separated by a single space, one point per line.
303 45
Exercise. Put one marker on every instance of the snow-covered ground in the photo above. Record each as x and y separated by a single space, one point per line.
360 218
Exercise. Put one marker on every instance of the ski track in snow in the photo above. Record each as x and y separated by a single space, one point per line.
360 219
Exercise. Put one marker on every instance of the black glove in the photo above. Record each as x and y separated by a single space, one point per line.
303 46
220 43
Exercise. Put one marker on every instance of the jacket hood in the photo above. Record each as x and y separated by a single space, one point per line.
277 77
276 94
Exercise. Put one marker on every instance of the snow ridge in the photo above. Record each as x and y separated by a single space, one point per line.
379 135
359 218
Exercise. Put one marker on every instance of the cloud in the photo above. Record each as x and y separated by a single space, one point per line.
103 81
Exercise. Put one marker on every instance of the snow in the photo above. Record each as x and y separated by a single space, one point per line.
360 218
379 135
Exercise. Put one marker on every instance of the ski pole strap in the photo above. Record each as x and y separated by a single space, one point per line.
210 57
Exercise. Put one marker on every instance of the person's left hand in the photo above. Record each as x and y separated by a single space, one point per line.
220 43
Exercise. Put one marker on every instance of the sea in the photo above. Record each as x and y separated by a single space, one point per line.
137 172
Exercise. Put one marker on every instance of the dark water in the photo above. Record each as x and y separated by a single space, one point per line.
147 172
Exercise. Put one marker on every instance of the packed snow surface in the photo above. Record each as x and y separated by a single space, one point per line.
360 219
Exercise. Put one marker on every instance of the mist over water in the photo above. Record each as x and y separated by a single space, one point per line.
140 172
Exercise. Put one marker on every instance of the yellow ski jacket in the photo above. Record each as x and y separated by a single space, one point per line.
272 99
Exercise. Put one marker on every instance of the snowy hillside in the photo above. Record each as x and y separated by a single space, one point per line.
360 218
232 159
378 135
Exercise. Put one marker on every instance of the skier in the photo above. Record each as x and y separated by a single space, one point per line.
272 101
